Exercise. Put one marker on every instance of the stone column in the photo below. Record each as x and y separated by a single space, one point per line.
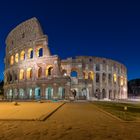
43 91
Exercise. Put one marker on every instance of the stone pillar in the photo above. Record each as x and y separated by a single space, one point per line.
43 91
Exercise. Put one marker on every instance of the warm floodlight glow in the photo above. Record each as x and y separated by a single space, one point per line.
91 75
12 60
115 77
121 81
49 70
21 74
29 73
16 58
22 55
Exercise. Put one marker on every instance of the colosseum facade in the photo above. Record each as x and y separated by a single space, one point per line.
31 72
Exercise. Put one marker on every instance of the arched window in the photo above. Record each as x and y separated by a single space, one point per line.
22 55
16 58
30 53
121 81
85 74
91 75
115 77
29 73
73 74
97 78
103 77
39 72
12 60
39 52
21 74
49 70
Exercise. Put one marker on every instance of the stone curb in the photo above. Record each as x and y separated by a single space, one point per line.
46 116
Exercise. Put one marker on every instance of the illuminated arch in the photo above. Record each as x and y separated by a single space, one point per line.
121 81
16 58
39 72
12 60
30 53
39 51
29 73
85 75
49 70
114 77
21 74
22 55
91 75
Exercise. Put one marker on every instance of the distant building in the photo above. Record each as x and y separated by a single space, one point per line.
31 72
134 88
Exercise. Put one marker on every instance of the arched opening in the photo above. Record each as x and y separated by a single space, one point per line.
110 94
30 93
9 94
12 60
97 93
91 75
30 53
16 58
85 75
39 72
97 77
104 77
84 94
103 93
39 52
37 93
61 93
114 77
49 70
121 81
29 73
49 93
74 74
22 55
21 93
21 74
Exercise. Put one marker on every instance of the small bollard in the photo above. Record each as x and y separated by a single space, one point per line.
125 108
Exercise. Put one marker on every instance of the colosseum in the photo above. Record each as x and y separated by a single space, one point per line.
33 73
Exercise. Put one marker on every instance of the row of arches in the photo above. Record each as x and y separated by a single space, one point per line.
91 75
28 74
30 54
36 93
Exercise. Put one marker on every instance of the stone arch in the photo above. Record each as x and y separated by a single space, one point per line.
37 93
74 72
49 93
49 70
104 77
22 55
30 53
21 93
21 74
16 57
97 93
39 51
29 73
61 93
39 72
103 93
12 60
91 75
85 75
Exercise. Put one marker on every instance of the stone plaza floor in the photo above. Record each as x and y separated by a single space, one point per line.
72 121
